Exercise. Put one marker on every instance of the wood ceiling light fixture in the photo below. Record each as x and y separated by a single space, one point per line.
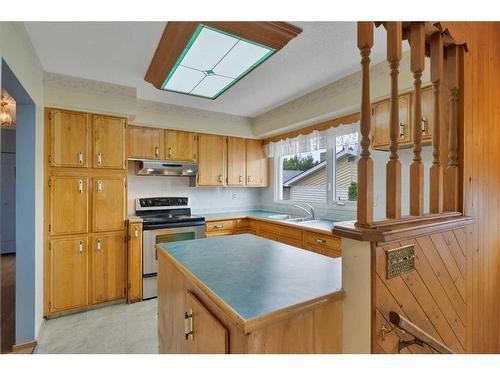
207 58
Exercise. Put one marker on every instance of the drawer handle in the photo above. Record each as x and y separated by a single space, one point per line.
99 186
80 186
80 246
99 158
188 325
320 240
80 157
219 226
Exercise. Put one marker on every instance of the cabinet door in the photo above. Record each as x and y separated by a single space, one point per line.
254 163
108 267
134 263
205 334
68 273
69 202
211 160
145 143
427 113
109 142
69 139
236 161
108 203
180 146
381 118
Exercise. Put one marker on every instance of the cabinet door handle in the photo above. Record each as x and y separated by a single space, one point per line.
99 158
169 152
136 232
188 325
425 126
320 240
80 186
249 179
220 178
80 246
98 246
401 130
157 151
241 179
80 157
99 186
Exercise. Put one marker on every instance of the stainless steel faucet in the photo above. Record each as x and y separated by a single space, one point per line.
306 210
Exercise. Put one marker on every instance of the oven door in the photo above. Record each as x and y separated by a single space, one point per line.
151 237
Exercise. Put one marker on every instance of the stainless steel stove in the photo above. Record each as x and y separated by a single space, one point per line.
165 219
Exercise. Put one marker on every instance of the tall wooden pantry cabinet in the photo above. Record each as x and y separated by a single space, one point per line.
85 210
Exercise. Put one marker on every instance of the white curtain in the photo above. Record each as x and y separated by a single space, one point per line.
317 140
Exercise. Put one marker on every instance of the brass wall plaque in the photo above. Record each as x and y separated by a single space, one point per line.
400 260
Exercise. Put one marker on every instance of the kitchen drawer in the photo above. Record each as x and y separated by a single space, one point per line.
242 223
281 231
226 226
323 243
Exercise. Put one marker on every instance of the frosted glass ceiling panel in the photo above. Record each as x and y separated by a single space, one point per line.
184 79
208 49
211 86
241 58
212 61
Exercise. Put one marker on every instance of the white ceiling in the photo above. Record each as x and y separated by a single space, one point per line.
120 53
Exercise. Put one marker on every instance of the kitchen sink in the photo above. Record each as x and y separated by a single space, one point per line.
279 217
301 219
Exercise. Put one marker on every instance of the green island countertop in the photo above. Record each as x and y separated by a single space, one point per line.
256 276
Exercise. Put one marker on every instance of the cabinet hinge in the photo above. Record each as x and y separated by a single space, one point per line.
50 183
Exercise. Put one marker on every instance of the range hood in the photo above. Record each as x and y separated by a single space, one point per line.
166 168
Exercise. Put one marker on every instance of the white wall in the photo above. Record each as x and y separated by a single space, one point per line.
202 199
17 51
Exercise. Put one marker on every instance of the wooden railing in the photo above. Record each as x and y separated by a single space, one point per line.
426 39
420 336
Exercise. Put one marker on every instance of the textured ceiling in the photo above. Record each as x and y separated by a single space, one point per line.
120 53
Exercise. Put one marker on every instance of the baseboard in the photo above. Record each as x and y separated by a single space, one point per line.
26 348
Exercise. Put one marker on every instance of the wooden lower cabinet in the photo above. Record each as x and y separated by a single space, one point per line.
109 259
134 273
67 279
317 242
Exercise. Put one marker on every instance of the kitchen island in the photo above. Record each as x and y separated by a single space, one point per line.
246 294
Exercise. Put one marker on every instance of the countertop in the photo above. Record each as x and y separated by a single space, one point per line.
320 224
255 276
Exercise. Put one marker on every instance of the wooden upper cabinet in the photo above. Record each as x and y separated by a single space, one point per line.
180 146
108 200
68 265
108 267
427 113
381 122
205 333
144 142
68 205
254 163
69 138
236 161
134 259
212 160
109 141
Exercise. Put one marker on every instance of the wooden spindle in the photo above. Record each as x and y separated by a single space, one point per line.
365 163
417 44
452 174
393 174
436 171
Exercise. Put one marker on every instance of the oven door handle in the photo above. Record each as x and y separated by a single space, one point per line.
173 225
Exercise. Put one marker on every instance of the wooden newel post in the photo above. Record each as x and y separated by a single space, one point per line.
436 171
365 163
452 173
393 174
417 44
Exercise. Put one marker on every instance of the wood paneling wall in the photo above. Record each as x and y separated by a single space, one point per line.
434 296
481 194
